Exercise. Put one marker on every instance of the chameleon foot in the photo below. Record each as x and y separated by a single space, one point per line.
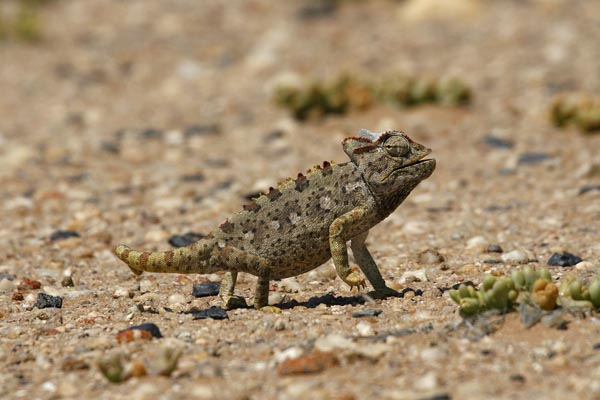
355 280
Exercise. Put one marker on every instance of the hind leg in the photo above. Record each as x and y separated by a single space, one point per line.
230 301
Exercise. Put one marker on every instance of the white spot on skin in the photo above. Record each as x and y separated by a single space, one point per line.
325 203
294 218
248 236
352 186
274 225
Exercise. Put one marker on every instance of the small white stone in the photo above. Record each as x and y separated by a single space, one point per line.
515 256
121 292
290 285
477 242
49 386
364 329
202 391
431 354
333 342
146 285
176 299
427 382
418 275
289 353
6 285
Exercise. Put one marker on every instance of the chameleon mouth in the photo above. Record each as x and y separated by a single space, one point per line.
428 162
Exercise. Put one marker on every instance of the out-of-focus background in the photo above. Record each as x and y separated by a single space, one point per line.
134 121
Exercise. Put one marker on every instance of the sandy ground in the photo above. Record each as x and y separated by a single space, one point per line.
133 121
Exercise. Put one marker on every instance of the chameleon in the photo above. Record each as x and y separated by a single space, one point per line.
304 222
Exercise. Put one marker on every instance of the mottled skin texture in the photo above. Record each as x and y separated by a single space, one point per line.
304 222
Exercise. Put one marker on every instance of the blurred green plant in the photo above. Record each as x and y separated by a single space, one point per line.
529 286
348 93
21 20
584 114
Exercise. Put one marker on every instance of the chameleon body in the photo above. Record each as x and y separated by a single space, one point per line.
304 222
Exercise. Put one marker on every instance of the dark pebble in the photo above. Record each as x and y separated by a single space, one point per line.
46 301
200 130
366 313
205 289
185 239
9 277
563 260
532 158
60 235
151 133
317 9
588 188
67 281
493 261
494 248
517 378
437 396
192 178
150 327
213 312
497 143
596 346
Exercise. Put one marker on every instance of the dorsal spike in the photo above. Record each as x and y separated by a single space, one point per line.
273 194
301 182
327 168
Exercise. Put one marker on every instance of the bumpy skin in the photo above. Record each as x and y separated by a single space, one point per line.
304 222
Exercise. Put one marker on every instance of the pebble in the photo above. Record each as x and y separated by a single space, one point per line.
186 239
418 275
212 312
7 285
477 242
308 364
364 329
67 281
147 285
46 301
204 289
279 325
176 299
290 285
494 248
532 157
585 266
61 235
564 260
289 353
515 256
122 292
143 331
430 256
367 312
496 142
29 284
427 382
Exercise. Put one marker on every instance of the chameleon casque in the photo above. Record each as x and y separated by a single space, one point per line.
302 223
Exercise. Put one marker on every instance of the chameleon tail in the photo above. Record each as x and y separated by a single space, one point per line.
190 259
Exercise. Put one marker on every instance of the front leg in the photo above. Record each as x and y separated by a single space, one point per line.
369 267
338 232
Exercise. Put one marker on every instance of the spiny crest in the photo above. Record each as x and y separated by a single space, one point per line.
252 206
301 182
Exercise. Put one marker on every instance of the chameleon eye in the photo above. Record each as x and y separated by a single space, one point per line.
397 147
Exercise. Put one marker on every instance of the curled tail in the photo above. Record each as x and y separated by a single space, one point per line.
191 259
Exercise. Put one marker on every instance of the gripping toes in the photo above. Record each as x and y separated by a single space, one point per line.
355 280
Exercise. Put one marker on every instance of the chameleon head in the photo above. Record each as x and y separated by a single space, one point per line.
391 163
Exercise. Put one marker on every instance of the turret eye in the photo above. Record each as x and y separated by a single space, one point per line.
397 147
